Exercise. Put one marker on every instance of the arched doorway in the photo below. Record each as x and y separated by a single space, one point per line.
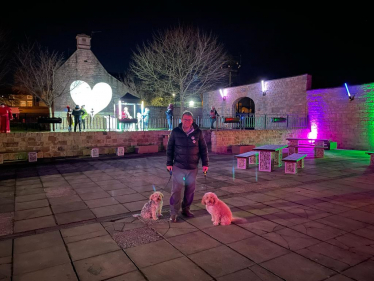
245 110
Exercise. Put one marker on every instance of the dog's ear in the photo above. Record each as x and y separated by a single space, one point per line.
203 200
162 195
214 197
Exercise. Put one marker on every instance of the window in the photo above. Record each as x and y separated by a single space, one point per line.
29 97
22 103
29 103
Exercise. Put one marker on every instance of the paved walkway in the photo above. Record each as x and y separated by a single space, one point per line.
72 220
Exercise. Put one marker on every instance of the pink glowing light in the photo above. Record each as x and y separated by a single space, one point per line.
314 132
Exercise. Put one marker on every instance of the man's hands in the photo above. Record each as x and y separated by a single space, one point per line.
205 169
170 168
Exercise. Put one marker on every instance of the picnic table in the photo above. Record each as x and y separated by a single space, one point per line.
270 156
318 145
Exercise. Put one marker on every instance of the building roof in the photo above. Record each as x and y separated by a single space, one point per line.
130 98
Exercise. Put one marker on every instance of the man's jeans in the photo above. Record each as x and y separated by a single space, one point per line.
77 122
170 124
182 179
212 120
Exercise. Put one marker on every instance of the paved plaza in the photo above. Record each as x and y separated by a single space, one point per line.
73 220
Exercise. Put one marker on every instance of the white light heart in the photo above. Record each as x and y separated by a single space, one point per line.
94 100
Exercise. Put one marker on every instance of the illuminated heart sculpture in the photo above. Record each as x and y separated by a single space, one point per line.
95 100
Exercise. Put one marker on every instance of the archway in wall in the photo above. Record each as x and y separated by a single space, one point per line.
245 109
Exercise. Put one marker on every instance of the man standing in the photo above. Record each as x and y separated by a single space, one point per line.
213 116
77 113
185 148
5 116
84 115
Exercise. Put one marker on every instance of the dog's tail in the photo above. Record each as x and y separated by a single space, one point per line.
238 220
136 215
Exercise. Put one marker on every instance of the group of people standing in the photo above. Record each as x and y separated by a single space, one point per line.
77 116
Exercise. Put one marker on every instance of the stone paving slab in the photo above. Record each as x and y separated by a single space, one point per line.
294 267
104 266
319 221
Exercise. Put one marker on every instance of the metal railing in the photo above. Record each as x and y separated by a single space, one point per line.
246 122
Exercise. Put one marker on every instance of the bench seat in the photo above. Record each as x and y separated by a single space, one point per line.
319 151
371 153
244 159
293 162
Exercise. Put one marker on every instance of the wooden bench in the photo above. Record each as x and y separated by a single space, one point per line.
371 153
293 162
246 158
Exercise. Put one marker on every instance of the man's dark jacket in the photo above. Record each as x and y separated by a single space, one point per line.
185 151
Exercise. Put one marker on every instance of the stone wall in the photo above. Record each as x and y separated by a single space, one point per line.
63 144
334 116
283 96
221 141
66 144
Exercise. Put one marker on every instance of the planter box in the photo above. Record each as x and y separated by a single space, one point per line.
239 149
146 149
333 145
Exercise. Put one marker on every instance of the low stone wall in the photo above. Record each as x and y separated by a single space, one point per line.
13 146
221 141
64 144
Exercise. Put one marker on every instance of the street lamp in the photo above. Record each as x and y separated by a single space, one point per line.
174 97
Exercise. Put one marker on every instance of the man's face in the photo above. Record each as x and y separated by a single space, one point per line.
187 121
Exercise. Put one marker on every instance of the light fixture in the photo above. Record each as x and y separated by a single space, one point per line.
351 97
223 94
192 103
263 88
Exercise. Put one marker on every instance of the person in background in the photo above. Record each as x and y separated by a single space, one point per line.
5 117
77 113
146 118
139 118
186 146
84 115
69 118
169 116
126 115
213 116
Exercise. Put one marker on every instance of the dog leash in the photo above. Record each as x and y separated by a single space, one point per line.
171 174
204 186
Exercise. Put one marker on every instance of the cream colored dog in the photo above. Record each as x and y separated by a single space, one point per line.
220 212
152 209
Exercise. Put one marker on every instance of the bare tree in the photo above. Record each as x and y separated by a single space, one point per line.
133 85
41 73
181 60
4 51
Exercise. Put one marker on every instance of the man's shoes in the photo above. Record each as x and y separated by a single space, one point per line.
187 213
173 218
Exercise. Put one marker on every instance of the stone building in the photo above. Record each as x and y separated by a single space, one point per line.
281 96
331 114
101 90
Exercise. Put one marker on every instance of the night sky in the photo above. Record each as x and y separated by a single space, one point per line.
334 47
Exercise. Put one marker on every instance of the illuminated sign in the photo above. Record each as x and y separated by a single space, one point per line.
95 100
